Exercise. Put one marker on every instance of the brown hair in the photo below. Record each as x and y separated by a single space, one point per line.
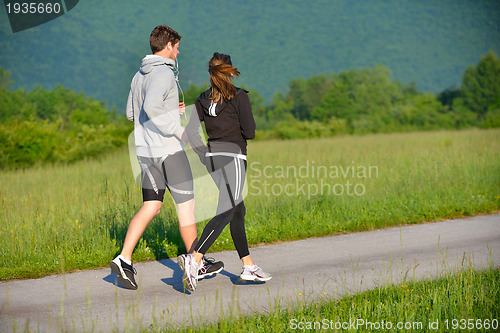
221 72
160 36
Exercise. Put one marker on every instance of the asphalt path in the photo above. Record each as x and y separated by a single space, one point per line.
302 270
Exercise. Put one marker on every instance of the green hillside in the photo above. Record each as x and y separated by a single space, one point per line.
97 46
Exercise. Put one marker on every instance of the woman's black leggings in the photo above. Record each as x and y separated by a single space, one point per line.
229 175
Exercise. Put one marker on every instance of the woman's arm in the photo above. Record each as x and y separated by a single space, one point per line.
247 123
193 134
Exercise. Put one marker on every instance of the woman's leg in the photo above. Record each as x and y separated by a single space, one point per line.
211 232
229 178
239 236
238 233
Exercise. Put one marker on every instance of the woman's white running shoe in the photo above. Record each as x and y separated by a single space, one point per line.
254 273
191 268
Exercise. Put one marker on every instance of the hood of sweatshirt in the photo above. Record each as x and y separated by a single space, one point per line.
150 61
213 109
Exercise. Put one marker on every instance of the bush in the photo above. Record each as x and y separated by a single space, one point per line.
44 126
25 143
492 119
295 129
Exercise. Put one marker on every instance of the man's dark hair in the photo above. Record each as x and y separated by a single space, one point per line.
160 36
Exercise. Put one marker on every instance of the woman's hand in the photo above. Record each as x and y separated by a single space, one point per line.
182 108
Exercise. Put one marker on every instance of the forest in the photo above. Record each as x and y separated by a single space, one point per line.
97 47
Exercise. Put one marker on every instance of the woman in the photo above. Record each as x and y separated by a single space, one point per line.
229 123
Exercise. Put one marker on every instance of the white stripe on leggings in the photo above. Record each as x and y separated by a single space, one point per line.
240 156
236 183
240 179
206 239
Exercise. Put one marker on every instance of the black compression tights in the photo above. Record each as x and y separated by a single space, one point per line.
229 175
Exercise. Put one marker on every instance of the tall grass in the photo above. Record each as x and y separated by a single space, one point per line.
466 300
72 217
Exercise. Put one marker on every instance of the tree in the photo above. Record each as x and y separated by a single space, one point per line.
337 102
481 84
192 93
447 96
306 94
363 96
5 81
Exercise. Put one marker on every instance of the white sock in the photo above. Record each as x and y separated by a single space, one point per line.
128 262
251 267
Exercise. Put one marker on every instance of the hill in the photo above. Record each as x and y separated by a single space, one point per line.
97 46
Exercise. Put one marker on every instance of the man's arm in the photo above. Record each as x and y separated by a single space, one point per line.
153 106
130 107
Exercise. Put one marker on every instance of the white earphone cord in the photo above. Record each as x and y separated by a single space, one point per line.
176 76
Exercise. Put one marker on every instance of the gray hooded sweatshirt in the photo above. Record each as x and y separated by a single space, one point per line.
153 106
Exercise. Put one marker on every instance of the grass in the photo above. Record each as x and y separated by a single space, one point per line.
466 299
60 218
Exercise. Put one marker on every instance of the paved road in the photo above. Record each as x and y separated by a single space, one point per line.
319 267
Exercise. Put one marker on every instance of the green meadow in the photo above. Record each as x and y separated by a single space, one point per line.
456 301
71 217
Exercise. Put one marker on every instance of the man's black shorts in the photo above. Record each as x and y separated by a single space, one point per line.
172 172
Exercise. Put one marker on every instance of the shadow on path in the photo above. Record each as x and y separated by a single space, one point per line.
236 280
111 278
176 280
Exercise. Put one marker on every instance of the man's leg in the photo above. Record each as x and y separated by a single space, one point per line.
187 224
137 226
122 264
179 179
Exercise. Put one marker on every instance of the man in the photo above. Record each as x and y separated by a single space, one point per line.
153 105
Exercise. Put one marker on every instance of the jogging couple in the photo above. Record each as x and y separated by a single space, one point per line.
153 105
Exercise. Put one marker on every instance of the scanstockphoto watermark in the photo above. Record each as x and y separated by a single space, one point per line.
309 179
354 324
474 324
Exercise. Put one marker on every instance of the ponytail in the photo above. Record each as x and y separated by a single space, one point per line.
221 73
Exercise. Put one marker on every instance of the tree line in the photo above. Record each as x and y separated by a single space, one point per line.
64 126
369 101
